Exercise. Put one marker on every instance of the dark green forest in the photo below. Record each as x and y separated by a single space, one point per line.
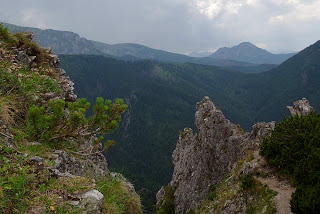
161 101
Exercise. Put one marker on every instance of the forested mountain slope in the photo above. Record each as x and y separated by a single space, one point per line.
161 101
297 77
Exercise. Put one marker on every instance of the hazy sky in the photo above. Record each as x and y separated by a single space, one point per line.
176 25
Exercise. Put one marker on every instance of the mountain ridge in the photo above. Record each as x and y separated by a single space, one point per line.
248 52
66 42
61 42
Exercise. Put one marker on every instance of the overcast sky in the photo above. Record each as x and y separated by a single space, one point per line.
176 25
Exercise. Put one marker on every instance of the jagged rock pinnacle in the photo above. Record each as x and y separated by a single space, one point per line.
205 158
301 107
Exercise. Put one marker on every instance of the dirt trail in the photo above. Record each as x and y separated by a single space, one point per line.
284 189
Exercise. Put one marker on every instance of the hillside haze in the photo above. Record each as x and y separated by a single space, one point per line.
248 52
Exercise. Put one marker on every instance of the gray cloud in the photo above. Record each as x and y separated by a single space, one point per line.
176 25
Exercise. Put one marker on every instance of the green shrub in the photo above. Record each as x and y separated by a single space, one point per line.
240 129
292 141
306 199
5 36
247 181
294 147
212 194
56 124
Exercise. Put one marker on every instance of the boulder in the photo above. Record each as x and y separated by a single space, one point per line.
91 202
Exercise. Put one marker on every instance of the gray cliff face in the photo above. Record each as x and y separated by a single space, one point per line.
203 159
61 42
206 158
64 42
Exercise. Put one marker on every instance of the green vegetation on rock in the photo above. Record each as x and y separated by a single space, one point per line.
119 197
25 188
294 148
33 129
239 193
212 192
167 204
247 181
6 37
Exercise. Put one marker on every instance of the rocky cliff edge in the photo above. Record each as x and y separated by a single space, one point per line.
214 167
38 177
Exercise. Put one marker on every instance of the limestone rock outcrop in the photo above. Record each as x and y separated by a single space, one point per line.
94 166
300 107
205 158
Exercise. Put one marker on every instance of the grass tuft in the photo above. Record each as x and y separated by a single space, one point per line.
117 197
7 109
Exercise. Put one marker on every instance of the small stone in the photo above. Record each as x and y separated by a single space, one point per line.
74 203
28 35
36 159
35 98
34 143
91 201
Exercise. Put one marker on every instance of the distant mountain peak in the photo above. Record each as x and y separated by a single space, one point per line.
246 44
248 52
